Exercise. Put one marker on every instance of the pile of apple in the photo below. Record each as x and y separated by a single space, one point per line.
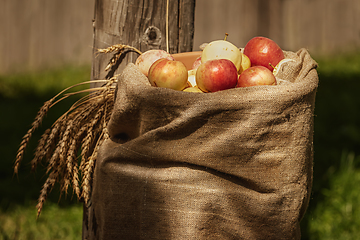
221 66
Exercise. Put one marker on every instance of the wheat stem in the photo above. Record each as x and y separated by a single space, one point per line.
86 90
82 126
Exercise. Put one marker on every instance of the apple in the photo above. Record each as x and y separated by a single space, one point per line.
168 74
196 63
278 66
191 77
263 51
222 49
216 75
192 89
245 63
146 59
256 76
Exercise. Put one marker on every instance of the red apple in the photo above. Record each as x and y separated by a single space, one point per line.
196 63
168 74
215 75
263 51
146 59
255 76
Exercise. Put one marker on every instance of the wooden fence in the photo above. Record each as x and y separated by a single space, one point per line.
42 33
35 34
322 26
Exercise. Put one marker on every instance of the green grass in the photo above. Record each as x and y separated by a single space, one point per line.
54 223
338 215
333 212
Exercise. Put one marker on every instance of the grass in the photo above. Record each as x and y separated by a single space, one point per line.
333 212
338 215
55 222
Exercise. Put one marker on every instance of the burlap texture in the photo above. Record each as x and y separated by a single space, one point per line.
235 164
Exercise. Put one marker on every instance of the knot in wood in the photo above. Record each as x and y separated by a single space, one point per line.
152 37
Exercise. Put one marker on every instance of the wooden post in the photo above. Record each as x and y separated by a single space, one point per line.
143 25
140 24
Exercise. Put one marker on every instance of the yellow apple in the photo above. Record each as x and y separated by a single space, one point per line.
146 59
192 89
222 49
168 74
191 77
245 63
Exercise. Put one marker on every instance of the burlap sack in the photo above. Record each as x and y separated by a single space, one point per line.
235 164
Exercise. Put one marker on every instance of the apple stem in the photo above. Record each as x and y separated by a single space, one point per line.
226 34
271 65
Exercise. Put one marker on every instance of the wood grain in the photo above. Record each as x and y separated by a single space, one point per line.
324 27
140 24
36 34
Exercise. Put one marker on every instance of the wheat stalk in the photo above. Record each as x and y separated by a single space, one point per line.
39 153
75 167
49 147
89 168
38 119
119 49
82 127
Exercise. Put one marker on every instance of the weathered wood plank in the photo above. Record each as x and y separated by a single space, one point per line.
37 34
40 34
140 24
186 25
325 27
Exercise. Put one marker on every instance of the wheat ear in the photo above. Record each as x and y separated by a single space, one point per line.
83 126
38 119
119 49
46 189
